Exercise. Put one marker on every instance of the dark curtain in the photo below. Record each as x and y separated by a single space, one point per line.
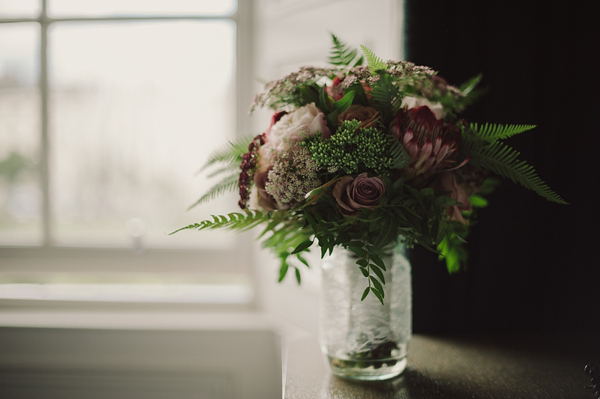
533 264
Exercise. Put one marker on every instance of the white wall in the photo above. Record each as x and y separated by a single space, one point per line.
289 34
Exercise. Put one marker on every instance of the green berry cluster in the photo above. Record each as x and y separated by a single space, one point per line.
352 150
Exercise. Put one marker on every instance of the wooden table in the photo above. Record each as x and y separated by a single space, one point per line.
510 366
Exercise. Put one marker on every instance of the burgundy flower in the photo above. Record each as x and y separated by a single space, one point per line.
431 144
336 91
248 168
352 194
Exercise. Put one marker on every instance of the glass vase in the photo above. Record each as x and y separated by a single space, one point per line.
365 340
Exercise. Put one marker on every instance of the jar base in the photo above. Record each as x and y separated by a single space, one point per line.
367 370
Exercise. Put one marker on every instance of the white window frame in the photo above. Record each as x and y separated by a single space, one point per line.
52 258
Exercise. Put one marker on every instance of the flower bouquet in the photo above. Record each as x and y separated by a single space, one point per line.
361 158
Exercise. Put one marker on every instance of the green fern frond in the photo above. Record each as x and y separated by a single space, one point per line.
502 160
229 183
398 153
374 62
386 98
227 168
491 132
230 153
233 220
467 87
342 54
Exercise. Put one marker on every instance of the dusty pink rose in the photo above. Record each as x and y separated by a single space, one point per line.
352 194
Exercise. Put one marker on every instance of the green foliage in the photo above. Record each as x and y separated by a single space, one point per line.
230 153
343 55
502 159
469 86
452 250
235 220
400 157
386 98
227 184
374 62
332 108
492 132
352 150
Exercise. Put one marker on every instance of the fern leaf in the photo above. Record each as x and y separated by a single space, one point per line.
467 87
228 168
374 62
491 132
398 153
386 98
502 160
233 220
232 152
227 184
342 54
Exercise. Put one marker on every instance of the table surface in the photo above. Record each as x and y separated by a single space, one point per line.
509 366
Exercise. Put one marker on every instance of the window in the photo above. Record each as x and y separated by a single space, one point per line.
106 110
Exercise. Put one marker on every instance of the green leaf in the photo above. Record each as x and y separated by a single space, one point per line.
379 274
231 153
491 132
364 271
387 233
312 222
478 201
283 269
365 293
470 84
344 103
302 246
362 262
502 160
378 262
377 285
229 183
358 251
374 62
377 294
343 55
298 277
304 261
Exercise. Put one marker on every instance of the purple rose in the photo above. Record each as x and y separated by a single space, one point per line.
352 194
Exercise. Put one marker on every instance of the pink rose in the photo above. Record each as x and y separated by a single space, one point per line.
352 194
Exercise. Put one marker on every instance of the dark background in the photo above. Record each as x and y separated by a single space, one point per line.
533 264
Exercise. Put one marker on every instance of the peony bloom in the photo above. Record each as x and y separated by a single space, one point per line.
431 144
352 194
367 116
293 127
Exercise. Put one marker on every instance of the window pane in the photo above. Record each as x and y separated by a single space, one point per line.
135 110
142 7
20 197
19 8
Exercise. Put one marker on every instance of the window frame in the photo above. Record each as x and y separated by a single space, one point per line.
50 257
